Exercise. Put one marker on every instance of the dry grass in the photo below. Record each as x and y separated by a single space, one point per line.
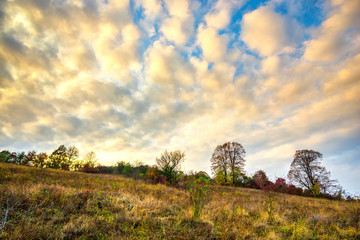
56 204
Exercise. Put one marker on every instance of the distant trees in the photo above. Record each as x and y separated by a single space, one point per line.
135 170
88 164
202 174
306 171
227 162
307 176
20 158
260 179
63 157
90 160
6 156
40 160
29 158
169 163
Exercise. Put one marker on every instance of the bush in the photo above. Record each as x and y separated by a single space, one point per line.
106 169
199 192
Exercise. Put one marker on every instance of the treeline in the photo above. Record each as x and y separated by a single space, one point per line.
65 158
306 176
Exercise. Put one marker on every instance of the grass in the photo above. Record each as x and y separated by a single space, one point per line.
55 204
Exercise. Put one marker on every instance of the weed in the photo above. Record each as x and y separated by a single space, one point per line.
199 191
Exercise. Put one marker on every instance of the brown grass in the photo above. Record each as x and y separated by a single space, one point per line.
56 204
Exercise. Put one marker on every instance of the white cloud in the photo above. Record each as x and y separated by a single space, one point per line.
152 8
166 67
179 25
213 45
338 35
220 15
268 32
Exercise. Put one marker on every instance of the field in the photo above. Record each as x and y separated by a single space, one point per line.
55 204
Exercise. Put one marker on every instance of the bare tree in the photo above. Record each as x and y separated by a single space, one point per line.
29 158
169 162
73 153
306 171
88 163
228 161
5 213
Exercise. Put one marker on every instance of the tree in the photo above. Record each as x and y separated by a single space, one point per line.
40 160
89 163
63 158
7 157
29 158
20 158
169 163
202 174
227 161
260 179
306 171
73 153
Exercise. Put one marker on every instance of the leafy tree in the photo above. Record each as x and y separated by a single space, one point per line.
128 169
260 178
5 156
20 158
62 157
169 163
244 180
120 167
227 161
202 174
40 160
306 171
58 158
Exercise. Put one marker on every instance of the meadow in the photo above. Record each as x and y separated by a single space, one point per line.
57 204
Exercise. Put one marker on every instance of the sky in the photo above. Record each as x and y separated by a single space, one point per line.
130 79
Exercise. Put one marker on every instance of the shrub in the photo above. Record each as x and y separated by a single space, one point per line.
199 191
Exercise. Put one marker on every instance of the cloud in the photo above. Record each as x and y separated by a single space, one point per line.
345 79
213 45
337 35
166 67
220 15
179 25
131 80
152 8
153 14
268 32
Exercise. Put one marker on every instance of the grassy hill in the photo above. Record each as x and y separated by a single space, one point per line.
55 204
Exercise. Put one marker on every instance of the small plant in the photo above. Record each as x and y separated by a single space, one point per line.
315 190
353 210
270 190
199 192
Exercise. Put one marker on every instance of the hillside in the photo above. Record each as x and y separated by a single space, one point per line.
55 204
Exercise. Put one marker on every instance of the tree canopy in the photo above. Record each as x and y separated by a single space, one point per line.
227 162
63 157
306 171
169 163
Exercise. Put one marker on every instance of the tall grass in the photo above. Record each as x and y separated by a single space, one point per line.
55 204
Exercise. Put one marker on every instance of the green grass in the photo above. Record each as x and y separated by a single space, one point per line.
54 204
